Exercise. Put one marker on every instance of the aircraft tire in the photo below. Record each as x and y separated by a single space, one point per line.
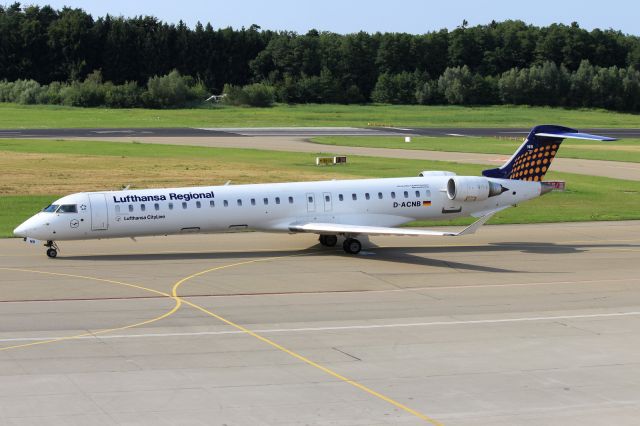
352 246
52 253
330 240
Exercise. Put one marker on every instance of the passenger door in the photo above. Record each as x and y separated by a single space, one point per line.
99 212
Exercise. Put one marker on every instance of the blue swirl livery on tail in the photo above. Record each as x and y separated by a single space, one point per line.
532 160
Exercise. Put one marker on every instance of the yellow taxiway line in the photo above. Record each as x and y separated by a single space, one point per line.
174 293
178 303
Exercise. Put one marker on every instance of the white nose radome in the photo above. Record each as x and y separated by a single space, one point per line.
21 231
28 228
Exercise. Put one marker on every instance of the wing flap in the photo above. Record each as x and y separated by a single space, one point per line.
343 229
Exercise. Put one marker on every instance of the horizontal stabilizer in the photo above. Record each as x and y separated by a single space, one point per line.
532 160
572 135
351 230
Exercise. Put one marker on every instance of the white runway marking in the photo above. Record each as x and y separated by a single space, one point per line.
398 128
337 328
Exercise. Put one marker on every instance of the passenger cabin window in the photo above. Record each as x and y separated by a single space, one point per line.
340 197
393 195
406 194
417 194
428 192
184 204
239 203
117 209
130 207
68 208
156 206
277 200
327 198
225 203
50 208
143 207
310 199
354 197
253 201
265 201
380 195
367 196
290 200
170 206
212 203
198 204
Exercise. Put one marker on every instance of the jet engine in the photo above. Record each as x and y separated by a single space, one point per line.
473 189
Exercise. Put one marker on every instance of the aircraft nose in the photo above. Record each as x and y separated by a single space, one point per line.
28 228
21 231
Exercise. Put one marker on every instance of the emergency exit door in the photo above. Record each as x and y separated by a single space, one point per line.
327 202
311 202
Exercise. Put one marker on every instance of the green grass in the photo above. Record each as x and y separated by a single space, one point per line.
621 150
15 209
14 116
587 198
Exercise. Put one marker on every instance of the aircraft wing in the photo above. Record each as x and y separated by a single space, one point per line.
340 229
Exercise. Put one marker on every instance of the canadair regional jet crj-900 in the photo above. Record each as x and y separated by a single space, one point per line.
332 209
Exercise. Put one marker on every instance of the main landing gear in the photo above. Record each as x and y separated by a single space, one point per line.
328 240
52 249
350 245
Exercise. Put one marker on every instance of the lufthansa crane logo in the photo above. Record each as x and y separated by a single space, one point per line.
74 223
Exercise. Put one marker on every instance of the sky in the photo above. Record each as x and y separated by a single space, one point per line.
347 16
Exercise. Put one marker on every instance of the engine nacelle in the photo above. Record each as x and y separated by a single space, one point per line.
473 189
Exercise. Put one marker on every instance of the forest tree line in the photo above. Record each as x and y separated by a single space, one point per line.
68 57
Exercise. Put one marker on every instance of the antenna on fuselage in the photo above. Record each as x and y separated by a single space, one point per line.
126 187
228 182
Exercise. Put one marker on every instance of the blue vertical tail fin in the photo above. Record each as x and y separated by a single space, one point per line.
532 160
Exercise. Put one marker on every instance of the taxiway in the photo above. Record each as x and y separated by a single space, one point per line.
517 325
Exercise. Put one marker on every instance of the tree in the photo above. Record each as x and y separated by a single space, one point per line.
70 38
396 88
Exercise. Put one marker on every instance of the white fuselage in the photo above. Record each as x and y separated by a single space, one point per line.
264 207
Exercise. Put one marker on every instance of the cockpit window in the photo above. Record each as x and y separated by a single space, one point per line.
68 208
50 208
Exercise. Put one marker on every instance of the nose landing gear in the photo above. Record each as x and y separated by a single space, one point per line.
52 249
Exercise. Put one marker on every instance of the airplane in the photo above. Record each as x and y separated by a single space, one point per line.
336 208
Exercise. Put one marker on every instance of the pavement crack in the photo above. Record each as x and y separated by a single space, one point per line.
346 353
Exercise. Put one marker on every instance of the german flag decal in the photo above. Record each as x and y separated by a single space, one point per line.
426 203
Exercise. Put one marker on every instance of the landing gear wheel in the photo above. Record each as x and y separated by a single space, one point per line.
352 246
328 240
52 249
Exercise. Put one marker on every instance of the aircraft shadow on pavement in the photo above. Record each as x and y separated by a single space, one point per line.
381 254
209 255
411 255
523 247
